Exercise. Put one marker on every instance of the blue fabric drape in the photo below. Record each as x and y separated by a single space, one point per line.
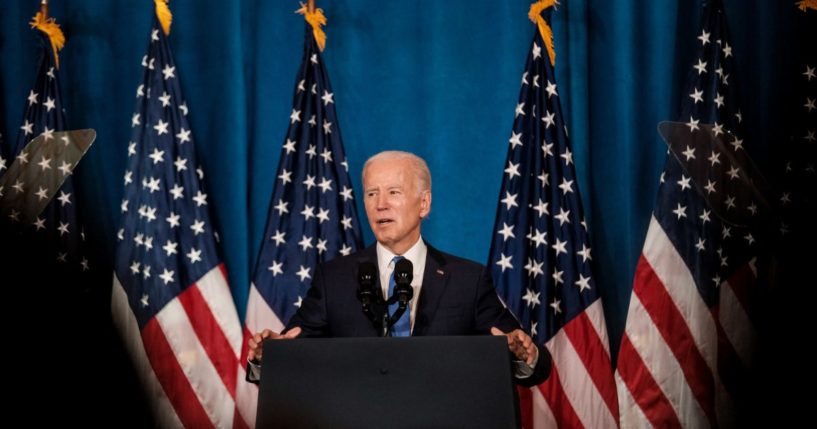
438 78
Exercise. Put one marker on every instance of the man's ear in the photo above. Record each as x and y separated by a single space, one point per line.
425 204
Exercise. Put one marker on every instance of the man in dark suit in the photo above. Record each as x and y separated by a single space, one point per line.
451 295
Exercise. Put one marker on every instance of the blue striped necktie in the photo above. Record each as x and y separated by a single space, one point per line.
401 328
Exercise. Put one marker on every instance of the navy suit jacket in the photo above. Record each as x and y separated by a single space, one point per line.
457 298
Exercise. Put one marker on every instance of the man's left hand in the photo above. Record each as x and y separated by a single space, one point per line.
520 344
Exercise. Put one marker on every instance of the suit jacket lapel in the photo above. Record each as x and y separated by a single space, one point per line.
435 280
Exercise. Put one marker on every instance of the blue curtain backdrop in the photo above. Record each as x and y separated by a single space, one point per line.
438 78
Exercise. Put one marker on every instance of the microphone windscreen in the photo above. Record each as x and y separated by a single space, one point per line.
404 270
366 273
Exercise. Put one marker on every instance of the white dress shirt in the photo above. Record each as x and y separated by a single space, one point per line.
417 255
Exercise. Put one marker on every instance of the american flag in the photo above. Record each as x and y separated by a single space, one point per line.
171 301
312 216
689 336
791 317
540 260
797 200
54 241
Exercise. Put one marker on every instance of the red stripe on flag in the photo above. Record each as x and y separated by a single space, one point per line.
171 376
238 421
558 402
735 374
644 389
525 406
740 281
732 371
676 333
223 270
584 338
211 336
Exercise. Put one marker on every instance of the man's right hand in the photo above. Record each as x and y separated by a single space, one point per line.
257 340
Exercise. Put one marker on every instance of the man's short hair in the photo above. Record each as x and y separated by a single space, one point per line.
418 164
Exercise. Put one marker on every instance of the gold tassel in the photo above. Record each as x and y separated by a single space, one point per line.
807 4
50 27
315 19
535 15
164 15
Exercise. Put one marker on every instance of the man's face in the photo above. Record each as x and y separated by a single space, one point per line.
394 203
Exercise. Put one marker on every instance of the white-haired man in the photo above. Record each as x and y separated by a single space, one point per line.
452 296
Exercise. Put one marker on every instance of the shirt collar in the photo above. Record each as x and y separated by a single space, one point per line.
415 254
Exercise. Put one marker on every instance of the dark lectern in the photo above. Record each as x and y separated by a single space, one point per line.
414 382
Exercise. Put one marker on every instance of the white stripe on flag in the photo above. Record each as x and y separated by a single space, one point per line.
595 313
543 417
630 413
671 269
576 383
662 365
196 365
697 315
125 322
246 397
216 293
736 324
259 314
259 317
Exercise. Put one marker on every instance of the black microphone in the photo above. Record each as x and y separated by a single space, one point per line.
366 275
403 274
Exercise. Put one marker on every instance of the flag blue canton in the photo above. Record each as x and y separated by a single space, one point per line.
540 254
696 216
166 241
312 216
57 233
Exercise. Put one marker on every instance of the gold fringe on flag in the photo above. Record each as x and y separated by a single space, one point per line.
535 15
807 4
50 27
164 15
315 19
